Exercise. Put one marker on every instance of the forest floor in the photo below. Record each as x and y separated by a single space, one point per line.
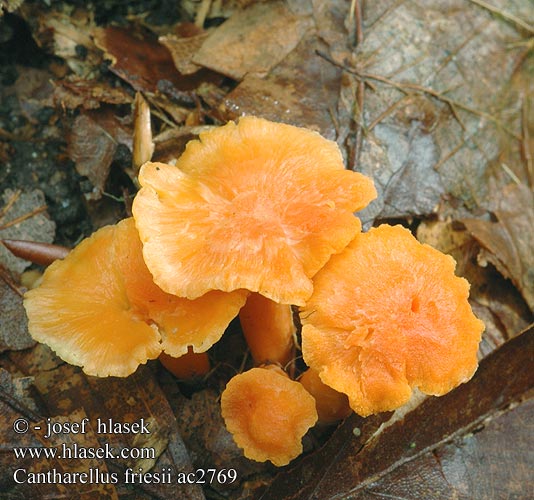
434 102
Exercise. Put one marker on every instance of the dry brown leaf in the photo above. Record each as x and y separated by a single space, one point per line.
460 469
138 58
301 90
183 48
67 36
494 299
509 240
66 390
76 92
253 40
92 144
434 114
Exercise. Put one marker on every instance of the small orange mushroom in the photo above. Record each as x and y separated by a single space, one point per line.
268 329
99 308
388 314
268 414
258 205
331 405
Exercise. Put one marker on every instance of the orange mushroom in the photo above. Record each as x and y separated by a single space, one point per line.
100 309
257 205
267 414
268 329
388 314
331 405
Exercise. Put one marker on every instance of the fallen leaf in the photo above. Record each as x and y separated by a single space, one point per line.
301 90
509 240
124 400
253 40
433 111
14 333
494 299
481 464
183 48
138 58
23 218
76 92
92 144
67 36
348 463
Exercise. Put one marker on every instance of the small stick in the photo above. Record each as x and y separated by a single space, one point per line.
505 15
22 218
405 87
37 252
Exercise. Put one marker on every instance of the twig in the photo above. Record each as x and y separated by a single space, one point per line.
511 173
505 15
202 13
356 16
385 113
6 278
22 218
405 87
525 142
14 197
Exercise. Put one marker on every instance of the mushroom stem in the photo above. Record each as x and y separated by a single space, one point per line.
192 364
268 329
331 405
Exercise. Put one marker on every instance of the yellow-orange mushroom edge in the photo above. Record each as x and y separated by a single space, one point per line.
388 314
99 308
256 205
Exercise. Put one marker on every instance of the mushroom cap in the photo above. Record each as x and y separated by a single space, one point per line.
99 308
257 205
388 314
267 414
198 323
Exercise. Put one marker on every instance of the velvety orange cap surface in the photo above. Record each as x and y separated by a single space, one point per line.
257 205
388 314
267 414
99 308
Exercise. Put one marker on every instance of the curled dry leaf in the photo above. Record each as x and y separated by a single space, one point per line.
182 49
143 147
509 240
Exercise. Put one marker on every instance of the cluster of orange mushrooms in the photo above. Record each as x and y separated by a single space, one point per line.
254 218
